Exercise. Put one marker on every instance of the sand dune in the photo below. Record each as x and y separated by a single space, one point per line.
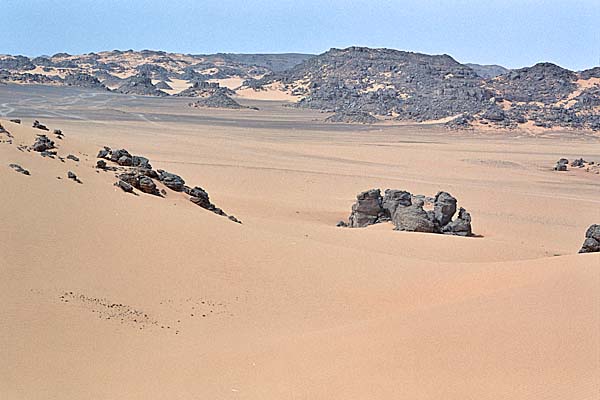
109 295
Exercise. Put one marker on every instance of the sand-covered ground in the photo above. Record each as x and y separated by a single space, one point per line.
107 295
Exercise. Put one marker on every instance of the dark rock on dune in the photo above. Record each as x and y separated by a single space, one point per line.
172 181
71 175
50 154
118 154
19 169
125 161
42 143
461 226
352 117
342 224
142 162
37 125
413 219
578 163
72 157
561 165
58 132
126 187
101 164
592 240
367 210
140 181
16 121
444 208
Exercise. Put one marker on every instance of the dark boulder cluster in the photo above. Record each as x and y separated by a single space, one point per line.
42 144
563 164
19 169
219 99
140 84
137 173
407 212
592 240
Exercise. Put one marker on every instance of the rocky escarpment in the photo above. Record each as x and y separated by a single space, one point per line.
591 243
84 80
407 212
136 172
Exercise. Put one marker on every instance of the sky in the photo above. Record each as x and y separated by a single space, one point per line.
506 32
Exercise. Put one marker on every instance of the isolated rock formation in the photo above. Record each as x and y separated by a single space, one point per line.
19 169
42 143
407 212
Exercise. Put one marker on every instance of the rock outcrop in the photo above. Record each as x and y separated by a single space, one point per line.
592 240
42 144
407 212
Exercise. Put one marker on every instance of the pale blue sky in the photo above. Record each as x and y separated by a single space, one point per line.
508 32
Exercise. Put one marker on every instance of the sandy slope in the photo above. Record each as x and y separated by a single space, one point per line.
286 306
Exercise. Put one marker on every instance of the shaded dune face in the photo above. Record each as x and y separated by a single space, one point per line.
109 295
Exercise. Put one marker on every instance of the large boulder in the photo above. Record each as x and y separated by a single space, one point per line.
461 226
393 199
444 208
118 154
413 219
592 240
367 210
561 165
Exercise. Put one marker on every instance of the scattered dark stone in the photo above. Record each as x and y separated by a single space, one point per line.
342 224
50 154
592 240
352 117
101 164
72 157
19 169
36 124
58 132
71 175
580 163
16 121
103 153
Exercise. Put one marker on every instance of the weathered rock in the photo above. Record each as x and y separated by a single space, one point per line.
413 219
42 143
367 210
172 181
592 240
72 157
101 164
579 163
393 199
103 153
19 169
146 185
342 224
117 154
461 226
16 121
125 161
444 208
142 162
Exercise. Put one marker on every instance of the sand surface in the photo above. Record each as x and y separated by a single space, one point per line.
106 295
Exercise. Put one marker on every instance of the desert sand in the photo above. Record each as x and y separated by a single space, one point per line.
107 295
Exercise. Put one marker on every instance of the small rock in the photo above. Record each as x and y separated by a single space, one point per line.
19 169
72 157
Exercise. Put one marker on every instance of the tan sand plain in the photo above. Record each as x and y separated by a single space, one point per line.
170 301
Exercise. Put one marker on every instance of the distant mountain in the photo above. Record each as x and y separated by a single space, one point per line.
488 71
392 84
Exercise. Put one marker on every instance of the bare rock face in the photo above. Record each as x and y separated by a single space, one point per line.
444 208
172 181
413 219
393 199
592 240
367 210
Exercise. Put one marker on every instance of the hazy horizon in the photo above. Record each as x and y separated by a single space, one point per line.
510 33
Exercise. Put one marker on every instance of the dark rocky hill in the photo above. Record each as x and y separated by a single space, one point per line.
488 71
